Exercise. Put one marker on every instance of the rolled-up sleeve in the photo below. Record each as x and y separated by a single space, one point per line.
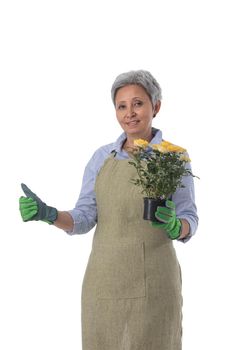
85 212
184 199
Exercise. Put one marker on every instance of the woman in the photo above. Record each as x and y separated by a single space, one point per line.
131 292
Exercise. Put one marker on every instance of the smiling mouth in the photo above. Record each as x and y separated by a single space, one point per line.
133 122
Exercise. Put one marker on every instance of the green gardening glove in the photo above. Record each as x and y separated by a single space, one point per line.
168 220
32 208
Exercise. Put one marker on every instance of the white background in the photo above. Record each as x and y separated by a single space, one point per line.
58 62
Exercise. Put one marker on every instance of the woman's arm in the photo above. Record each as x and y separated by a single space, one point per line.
79 220
64 221
186 210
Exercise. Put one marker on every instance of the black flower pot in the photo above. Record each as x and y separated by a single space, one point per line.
150 207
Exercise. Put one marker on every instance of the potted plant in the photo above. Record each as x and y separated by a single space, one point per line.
160 168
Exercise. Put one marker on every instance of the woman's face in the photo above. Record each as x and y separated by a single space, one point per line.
134 110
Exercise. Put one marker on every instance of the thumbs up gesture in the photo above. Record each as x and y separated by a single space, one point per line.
32 208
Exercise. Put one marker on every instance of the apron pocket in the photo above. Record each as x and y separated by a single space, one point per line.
120 270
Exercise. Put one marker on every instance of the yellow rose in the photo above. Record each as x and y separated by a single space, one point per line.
174 148
170 147
159 147
166 143
141 143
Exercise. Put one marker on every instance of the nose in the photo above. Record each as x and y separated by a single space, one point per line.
130 112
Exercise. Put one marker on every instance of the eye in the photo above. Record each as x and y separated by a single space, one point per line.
138 103
121 106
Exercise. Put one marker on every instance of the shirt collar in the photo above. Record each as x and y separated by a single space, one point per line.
157 138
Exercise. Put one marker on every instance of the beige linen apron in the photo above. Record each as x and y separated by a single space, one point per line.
131 292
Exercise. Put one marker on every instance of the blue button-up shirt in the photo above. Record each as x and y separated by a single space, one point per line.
85 212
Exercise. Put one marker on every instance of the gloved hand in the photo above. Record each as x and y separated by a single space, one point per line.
168 220
32 208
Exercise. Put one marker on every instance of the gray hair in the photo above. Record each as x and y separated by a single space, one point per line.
138 77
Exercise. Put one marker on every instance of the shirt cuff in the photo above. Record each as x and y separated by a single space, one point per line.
79 226
192 229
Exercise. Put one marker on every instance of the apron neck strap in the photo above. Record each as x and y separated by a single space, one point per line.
113 154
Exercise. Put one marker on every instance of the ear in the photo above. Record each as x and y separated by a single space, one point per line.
156 108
